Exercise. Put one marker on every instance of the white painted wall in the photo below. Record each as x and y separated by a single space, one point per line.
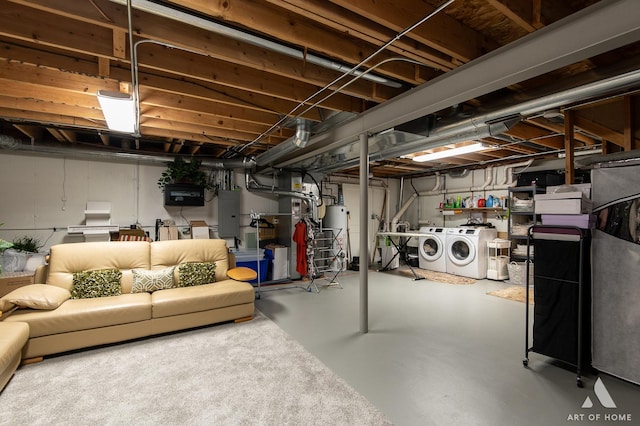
38 194
425 210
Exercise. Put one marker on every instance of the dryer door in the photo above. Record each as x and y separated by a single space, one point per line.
461 250
431 247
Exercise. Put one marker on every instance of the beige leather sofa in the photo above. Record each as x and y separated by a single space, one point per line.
13 336
81 323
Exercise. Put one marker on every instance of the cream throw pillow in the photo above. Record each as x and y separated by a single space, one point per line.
35 296
145 280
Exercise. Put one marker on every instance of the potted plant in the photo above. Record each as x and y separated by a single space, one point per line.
27 244
3 246
26 254
181 171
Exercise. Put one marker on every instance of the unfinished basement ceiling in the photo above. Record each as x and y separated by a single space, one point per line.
239 72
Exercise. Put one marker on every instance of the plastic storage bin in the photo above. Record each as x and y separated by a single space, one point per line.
250 259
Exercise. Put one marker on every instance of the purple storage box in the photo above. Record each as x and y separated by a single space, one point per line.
584 221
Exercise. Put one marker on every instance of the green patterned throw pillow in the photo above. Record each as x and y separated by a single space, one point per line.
196 273
145 280
100 283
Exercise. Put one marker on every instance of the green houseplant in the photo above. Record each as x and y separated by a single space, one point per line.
181 171
27 244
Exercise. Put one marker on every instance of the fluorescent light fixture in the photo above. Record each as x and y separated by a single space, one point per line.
450 152
577 153
119 110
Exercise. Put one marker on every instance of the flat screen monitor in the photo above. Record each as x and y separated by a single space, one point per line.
182 194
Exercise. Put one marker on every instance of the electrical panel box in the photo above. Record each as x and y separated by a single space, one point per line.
228 214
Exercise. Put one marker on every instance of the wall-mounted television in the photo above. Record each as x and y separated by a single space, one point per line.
183 194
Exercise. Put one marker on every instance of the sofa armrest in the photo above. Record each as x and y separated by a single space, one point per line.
40 276
232 260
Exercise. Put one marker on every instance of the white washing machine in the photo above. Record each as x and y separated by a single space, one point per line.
431 249
467 253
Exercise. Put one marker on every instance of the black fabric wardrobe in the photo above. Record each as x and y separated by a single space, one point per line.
561 314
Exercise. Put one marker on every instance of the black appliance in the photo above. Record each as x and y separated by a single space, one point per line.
183 194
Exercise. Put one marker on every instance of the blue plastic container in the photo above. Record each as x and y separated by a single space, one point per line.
253 264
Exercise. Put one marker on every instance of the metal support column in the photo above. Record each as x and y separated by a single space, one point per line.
364 232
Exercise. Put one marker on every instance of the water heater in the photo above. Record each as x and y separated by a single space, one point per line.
335 218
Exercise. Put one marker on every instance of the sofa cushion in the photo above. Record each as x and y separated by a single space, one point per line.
85 314
100 283
196 273
185 300
145 280
37 296
66 259
175 252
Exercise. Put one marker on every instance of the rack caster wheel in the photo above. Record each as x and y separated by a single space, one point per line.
525 362
579 382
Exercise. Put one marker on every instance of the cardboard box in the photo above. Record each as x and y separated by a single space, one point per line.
9 281
168 232
199 230
267 232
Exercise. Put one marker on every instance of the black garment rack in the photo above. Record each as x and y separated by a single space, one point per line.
561 309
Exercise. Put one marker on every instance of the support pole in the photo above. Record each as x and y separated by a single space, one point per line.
364 233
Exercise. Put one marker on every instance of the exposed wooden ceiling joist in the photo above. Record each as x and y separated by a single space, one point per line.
214 93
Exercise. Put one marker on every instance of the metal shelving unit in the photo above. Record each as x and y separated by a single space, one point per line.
521 218
328 257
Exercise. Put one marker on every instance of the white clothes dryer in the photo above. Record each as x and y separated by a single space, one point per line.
467 253
431 249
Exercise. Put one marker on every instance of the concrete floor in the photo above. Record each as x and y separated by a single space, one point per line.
441 354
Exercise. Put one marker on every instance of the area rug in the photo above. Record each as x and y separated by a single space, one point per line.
514 292
250 373
440 277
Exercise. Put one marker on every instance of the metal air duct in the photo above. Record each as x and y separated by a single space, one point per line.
575 38
303 132
227 164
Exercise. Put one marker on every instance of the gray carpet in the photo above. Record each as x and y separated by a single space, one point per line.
249 373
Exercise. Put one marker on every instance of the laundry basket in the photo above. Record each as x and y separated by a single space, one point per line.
518 273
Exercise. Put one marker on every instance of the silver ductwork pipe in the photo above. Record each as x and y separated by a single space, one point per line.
303 133
230 163
252 185
297 141
575 38
9 142
81 154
